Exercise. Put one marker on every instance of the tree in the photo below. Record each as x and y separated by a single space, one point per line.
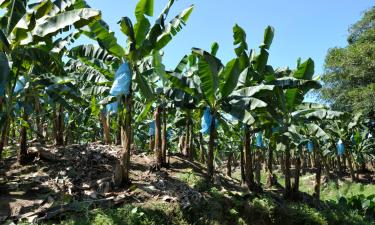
349 81
142 40
23 28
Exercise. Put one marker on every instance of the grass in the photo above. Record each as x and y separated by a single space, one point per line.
152 213
333 191
329 191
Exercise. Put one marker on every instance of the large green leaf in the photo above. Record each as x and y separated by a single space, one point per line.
99 31
141 29
317 132
40 9
142 26
209 68
173 27
261 60
157 28
319 114
47 61
181 65
61 44
291 82
268 37
16 11
142 116
4 43
65 5
179 84
77 17
126 26
305 70
144 87
239 37
144 7
295 95
87 72
229 77
90 52
257 90
214 48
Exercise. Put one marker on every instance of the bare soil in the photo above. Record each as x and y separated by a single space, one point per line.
83 173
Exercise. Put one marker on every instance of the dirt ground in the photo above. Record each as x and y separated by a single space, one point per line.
83 174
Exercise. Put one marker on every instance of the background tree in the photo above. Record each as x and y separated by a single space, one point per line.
349 81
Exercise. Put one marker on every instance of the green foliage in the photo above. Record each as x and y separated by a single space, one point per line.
152 214
348 77
195 181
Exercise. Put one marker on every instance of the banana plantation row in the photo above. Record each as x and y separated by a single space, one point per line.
244 109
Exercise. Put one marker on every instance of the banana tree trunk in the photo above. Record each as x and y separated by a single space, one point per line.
356 166
125 155
211 145
158 150
297 174
152 143
201 149
350 164
181 144
318 176
187 139
287 174
249 176
3 136
304 163
327 167
242 164
105 125
270 176
22 154
164 143
119 133
59 126
38 120
282 162
229 164
258 167
191 144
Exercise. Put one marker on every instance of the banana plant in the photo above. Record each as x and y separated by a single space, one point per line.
309 124
291 87
142 40
24 26
215 90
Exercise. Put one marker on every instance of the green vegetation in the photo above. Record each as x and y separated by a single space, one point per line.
349 83
296 162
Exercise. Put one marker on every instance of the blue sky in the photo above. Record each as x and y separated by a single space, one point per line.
302 28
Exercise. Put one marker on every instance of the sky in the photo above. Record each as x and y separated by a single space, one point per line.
302 28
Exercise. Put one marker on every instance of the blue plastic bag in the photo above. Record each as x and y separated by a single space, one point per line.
340 147
112 108
259 139
206 121
151 131
123 77
310 146
20 84
66 118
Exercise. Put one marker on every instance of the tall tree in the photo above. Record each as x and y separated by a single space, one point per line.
349 81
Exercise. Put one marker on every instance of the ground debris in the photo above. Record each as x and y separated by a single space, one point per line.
73 178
